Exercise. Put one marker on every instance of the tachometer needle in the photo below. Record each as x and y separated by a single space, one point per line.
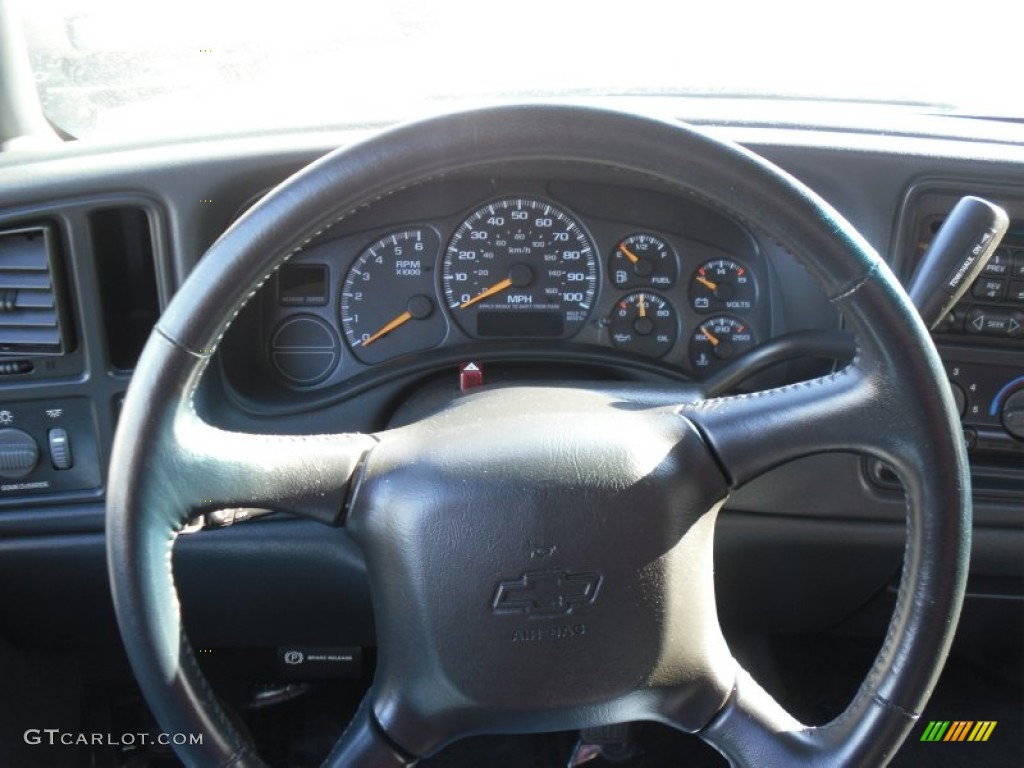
711 337
496 288
402 318
707 283
629 254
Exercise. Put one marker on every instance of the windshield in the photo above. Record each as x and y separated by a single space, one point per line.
114 67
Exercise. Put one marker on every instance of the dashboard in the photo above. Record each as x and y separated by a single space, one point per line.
503 275
523 272
633 281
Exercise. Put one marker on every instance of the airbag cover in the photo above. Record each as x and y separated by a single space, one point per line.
545 554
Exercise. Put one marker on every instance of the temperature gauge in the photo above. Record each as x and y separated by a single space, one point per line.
722 284
643 322
718 340
643 260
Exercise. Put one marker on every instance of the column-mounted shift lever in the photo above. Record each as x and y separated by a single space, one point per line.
957 254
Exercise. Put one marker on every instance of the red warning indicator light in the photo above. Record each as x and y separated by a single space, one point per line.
470 375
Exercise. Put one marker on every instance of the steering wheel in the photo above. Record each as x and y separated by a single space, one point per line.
554 570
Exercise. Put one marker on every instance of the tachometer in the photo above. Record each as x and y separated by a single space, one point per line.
520 268
387 300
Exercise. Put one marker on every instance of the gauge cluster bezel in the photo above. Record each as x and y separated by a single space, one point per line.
606 209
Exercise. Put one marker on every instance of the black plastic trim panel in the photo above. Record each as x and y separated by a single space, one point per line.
864 175
85 371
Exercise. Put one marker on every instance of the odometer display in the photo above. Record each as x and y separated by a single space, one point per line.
520 268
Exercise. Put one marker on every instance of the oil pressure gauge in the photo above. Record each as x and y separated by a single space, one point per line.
645 323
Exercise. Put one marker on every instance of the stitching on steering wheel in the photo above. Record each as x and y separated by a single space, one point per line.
819 381
185 653
876 671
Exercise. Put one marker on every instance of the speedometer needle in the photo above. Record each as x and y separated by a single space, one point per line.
496 288
402 318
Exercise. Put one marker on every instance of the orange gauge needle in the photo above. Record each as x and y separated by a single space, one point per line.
641 305
707 283
496 288
401 319
629 254
711 337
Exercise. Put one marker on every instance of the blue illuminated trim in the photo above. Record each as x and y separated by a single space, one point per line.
994 408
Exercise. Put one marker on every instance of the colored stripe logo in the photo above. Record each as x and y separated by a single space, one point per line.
958 730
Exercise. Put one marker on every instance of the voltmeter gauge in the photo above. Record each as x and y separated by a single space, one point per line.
645 323
722 284
718 340
641 261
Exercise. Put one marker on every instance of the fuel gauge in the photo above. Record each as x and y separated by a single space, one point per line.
643 260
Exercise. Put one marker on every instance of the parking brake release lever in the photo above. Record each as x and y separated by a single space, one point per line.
957 254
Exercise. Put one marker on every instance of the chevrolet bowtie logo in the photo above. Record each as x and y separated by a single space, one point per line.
544 594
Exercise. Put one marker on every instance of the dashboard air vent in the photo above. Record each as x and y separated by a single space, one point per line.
123 241
29 317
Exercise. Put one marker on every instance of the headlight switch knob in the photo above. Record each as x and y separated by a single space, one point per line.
19 453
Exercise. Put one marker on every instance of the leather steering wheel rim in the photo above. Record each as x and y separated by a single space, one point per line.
892 402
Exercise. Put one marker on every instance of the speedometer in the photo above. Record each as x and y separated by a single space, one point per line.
520 268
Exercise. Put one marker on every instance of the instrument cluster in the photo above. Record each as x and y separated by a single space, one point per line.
518 269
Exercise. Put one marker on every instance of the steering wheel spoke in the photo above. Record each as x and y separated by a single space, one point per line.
195 467
307 475
754 729
753 433
364 743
